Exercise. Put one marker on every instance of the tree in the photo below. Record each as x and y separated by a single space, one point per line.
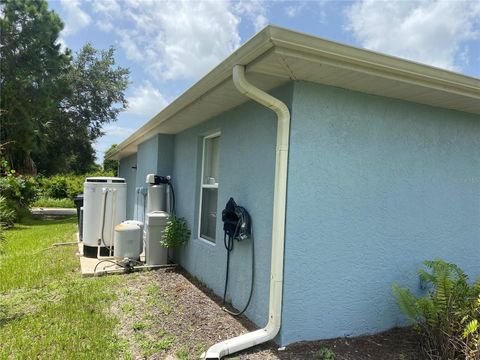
97 90
32 84
53 106
96 97
111 165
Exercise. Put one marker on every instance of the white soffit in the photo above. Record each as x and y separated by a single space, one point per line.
299 66
276 55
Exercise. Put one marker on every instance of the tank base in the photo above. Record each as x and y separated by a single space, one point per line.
92 251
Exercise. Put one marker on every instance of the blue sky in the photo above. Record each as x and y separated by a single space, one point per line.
169 45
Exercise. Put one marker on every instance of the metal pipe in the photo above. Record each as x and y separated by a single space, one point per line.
269 332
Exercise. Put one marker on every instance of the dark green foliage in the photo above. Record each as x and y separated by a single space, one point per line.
64 186
97 90
7 213
31 70
19 192
447 318
111 165
52 106
176 233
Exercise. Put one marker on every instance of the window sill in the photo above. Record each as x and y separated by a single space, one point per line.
205 241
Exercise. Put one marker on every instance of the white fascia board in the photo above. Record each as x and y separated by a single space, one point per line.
303 45
310 48
252 49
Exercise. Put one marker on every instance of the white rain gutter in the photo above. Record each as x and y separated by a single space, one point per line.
269 332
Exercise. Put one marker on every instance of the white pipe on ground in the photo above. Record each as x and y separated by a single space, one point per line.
248 340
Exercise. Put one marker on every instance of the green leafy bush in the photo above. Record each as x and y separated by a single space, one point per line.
176 233
7 215
53 203
65 186
447 319
324 353
19 192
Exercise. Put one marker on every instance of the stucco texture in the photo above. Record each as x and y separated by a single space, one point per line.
127 170
246 172
154 156
375 187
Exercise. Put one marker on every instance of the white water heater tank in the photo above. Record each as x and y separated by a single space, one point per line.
104 206
127 240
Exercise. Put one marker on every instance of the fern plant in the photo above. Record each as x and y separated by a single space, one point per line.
447 319
7 213
176 233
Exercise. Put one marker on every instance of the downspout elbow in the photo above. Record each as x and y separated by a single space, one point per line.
272 328
267 100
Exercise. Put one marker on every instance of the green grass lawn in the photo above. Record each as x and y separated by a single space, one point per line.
47 310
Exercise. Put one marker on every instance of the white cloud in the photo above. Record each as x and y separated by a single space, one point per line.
109 9
75 18
63 45
294 9
426 31
173 39
254 10
146 101
115 130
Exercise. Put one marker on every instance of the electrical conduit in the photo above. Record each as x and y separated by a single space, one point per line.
250 339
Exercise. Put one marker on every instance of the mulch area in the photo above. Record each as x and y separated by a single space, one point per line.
183 318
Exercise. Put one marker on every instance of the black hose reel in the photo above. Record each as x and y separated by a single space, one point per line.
236 226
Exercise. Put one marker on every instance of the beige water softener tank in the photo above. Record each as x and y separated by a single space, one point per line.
155 254
127 240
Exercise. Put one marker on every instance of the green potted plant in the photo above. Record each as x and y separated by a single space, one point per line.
176 233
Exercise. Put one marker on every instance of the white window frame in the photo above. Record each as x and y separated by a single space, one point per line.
205 186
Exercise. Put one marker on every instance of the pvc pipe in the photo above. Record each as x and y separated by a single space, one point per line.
140 267
269 332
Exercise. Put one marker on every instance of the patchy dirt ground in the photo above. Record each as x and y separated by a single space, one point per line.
165 314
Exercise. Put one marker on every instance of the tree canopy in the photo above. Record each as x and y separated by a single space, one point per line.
110 165
53 104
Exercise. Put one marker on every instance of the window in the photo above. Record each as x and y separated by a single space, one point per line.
209 187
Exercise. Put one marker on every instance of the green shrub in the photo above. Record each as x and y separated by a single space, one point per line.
447 319
324 353
176 233
19 192
7 215
55 187
53 203
65 186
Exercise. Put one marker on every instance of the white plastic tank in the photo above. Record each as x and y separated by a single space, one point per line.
139 224
127 240
155 254
104 206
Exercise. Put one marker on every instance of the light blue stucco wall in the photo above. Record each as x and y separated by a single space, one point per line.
127 170
246 172
375 187
154 156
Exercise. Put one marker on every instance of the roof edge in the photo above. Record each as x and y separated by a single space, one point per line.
309 47
252 49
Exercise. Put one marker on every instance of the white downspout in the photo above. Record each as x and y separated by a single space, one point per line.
248 340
